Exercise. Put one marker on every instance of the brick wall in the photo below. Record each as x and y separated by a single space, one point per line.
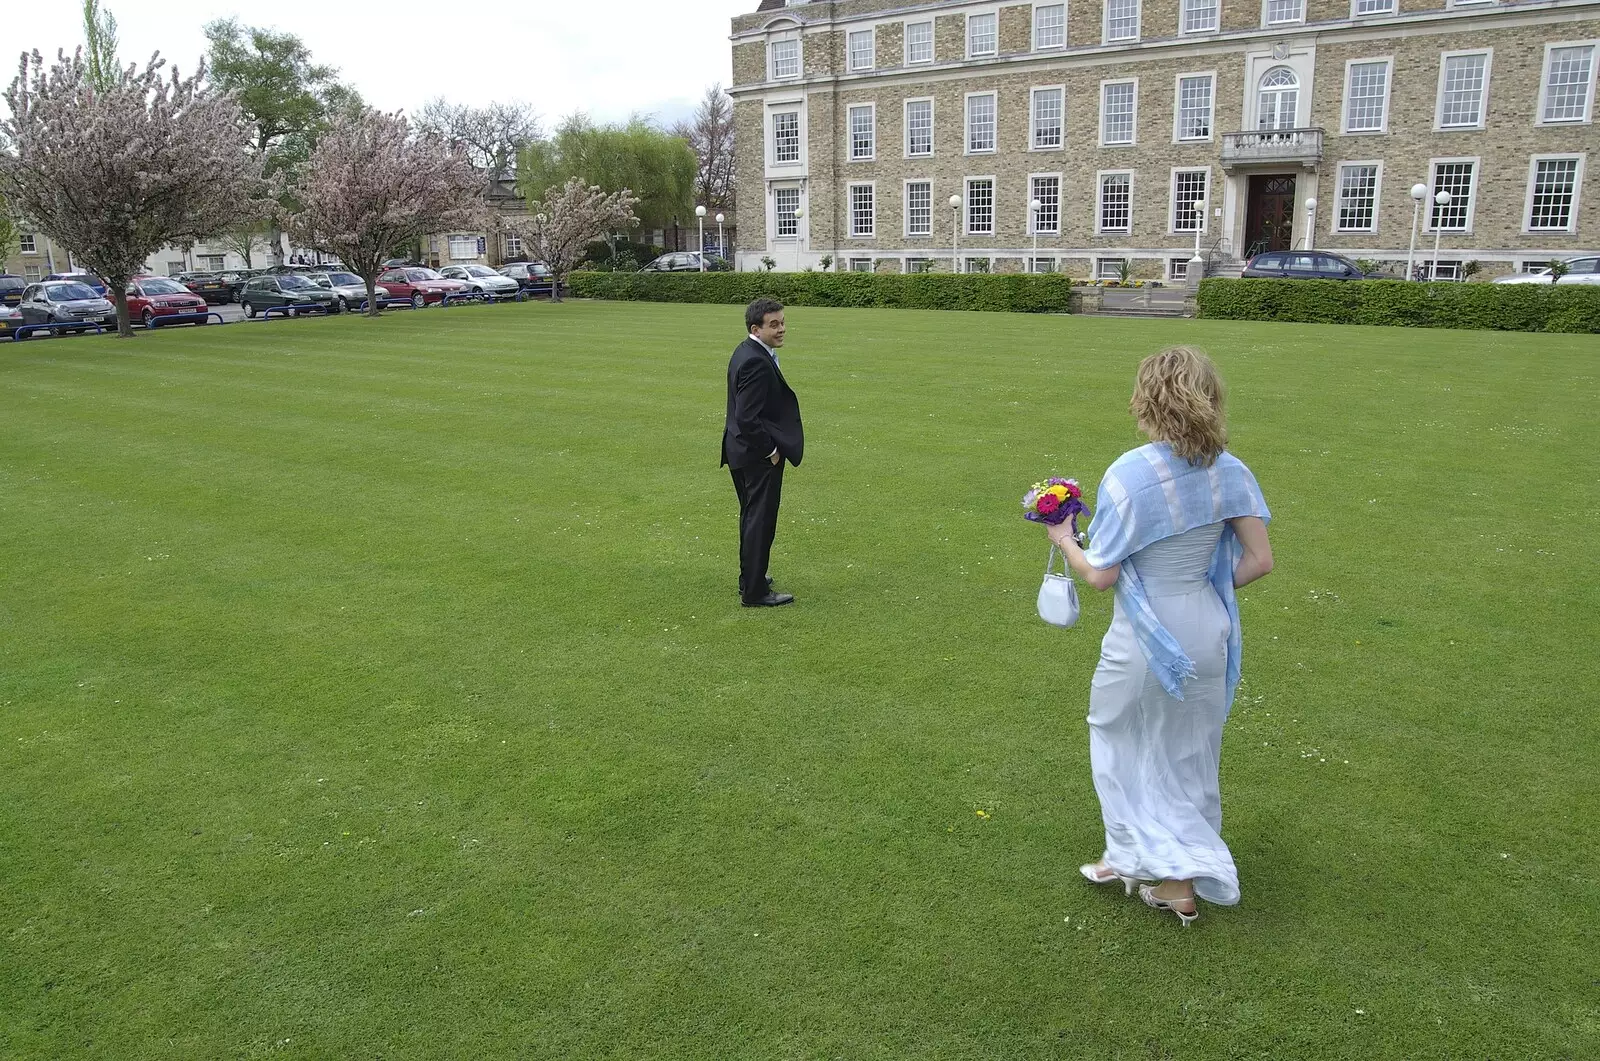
1503 150
749 63
1504 147
750 162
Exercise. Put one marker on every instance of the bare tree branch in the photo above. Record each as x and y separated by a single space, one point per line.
711 134
491 136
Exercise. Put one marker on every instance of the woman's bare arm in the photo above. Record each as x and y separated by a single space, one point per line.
1097 577
1257 560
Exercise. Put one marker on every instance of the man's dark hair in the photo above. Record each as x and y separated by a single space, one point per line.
758 311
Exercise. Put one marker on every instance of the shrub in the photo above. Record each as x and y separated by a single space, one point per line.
598 256
1008 293
1398 303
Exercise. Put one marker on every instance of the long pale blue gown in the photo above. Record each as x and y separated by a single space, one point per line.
1155 758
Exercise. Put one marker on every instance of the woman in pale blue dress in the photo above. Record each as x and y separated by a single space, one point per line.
1179 524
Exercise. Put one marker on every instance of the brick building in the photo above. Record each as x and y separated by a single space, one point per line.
1298 122
35 256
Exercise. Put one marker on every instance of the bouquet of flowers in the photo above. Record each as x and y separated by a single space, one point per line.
1054 501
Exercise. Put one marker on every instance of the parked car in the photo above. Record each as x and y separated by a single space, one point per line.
351 289
285 289
402 263
10 321
87 279
213 287
482 279
1585 270
677 262
66 302
420 285
150 297
11 287
1306 265
534 277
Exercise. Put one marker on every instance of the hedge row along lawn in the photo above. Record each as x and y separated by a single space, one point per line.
378 688
1005 293
1499 307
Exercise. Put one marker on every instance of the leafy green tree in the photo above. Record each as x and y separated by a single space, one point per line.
291 100
100 46
657 167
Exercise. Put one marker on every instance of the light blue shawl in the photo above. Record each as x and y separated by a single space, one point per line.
1151 493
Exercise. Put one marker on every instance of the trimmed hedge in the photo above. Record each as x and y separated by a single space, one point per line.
1498 307
1004 293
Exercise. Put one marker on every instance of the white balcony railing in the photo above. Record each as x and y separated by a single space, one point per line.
1272 145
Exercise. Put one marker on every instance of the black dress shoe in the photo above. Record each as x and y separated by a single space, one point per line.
771 600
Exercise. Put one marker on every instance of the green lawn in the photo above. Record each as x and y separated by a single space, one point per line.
379 690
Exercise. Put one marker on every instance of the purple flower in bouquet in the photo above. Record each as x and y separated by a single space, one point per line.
1053 502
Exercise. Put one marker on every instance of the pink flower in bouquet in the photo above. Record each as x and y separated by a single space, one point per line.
1048 503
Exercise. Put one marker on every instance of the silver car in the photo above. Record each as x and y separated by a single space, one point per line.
66 302
482 279
351 289
1585 270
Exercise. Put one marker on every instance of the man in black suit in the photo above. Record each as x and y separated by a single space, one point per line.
762 430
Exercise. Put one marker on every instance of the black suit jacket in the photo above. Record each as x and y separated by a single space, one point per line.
763 411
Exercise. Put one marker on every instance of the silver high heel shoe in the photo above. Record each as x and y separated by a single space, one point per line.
1100 873
1147 892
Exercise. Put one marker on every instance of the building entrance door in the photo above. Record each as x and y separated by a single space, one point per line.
1269 220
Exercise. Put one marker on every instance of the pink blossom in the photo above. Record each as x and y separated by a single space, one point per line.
371 187
115 172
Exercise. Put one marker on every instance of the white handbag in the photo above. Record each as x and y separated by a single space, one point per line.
1058 597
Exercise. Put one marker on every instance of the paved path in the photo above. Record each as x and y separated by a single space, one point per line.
1143 302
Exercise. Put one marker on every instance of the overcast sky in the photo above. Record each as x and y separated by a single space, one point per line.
611 58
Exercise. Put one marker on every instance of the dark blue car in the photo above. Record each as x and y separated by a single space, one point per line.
11 287
88 279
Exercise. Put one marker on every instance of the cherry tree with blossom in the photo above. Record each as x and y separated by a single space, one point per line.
117 169
557 229
372 187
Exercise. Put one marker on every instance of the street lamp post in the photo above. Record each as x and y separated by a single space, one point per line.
1311 224
700 215
1034 206
1443 199
722 248
1419 192
1197 264
799 241
955 233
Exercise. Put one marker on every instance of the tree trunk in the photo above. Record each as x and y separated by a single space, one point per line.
555 283
119 297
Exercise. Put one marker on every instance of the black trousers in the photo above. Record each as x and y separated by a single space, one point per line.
760 486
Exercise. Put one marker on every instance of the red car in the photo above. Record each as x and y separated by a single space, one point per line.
420 285
150 297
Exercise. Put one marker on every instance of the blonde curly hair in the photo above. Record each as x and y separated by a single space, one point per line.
1178 398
